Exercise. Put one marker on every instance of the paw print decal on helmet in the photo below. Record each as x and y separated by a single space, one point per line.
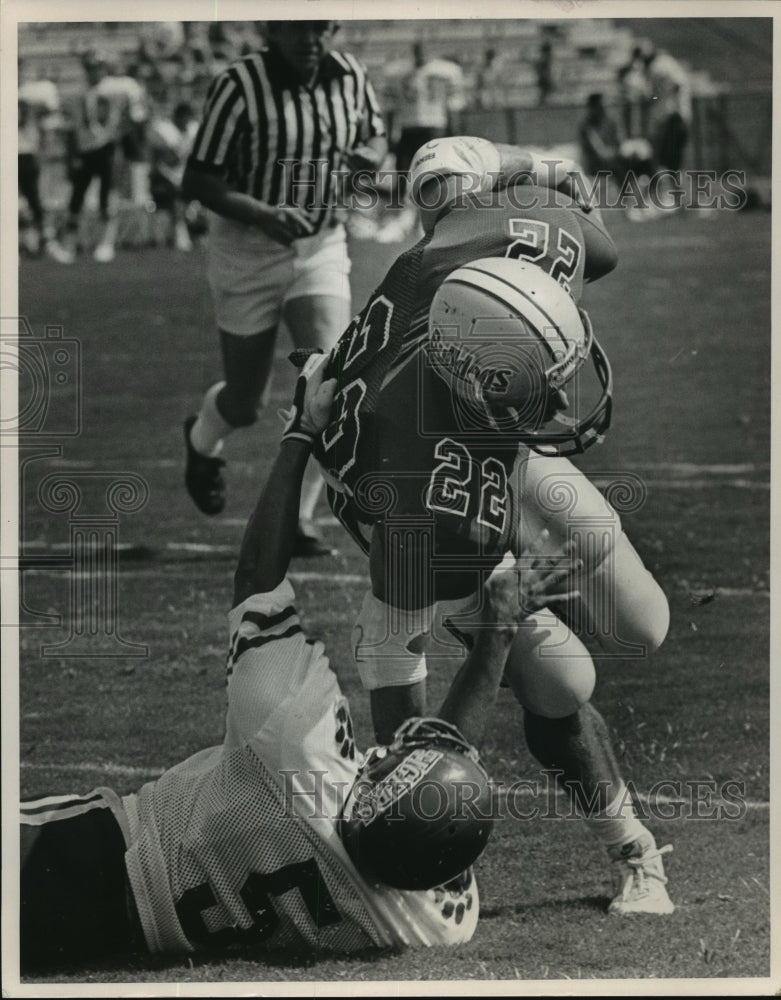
344 732
454 898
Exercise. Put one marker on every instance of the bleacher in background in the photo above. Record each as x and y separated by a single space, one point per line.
732 112
586 53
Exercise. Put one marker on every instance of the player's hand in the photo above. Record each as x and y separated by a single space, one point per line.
312 401
283 223
519 587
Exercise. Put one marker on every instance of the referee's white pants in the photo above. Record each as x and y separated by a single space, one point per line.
252 277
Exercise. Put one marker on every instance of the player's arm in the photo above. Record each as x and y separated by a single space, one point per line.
515 589
446 170
268 540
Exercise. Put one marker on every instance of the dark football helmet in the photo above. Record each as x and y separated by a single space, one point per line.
419 813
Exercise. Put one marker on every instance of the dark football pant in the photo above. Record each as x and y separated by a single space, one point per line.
29 174
75 901
94 163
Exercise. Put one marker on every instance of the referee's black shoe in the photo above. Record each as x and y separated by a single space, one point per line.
203 476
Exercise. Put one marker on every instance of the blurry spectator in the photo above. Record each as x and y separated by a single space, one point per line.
634 88
161 40
170 142
603 149
37 91
488 82
670 113
38 105
544 68
39 238
130 97
96 124
428 95
599 138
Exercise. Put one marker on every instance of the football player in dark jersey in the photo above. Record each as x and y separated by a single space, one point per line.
436 480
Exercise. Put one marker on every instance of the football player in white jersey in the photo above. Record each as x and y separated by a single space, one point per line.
283 836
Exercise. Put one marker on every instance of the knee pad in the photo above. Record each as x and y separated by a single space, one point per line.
622 606
548 668
381 641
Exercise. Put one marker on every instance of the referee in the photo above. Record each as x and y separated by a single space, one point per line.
278 127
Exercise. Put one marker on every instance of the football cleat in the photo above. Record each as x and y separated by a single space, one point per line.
419 813
203 476
639 882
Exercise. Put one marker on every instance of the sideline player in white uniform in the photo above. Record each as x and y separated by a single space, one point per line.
280 837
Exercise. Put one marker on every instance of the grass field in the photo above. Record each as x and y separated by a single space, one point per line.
686 322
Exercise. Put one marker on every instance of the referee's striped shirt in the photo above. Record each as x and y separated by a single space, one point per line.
272 137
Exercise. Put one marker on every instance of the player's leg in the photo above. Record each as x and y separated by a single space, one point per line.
105 250
316 312
28 178
388 637
80 177
578 747
75 902
621 606
552 672
182 240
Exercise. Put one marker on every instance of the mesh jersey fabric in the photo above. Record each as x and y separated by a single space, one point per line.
239 844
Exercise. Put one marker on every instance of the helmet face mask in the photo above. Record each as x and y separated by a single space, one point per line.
507 339
419 813
564 435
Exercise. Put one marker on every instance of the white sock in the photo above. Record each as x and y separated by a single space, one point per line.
311 488
211 427
618 824
109 237
139 183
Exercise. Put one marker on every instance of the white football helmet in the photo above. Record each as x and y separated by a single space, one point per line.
507 338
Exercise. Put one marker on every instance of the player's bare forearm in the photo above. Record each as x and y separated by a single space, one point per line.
547 171
390 706
514 590
270 534
470 701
